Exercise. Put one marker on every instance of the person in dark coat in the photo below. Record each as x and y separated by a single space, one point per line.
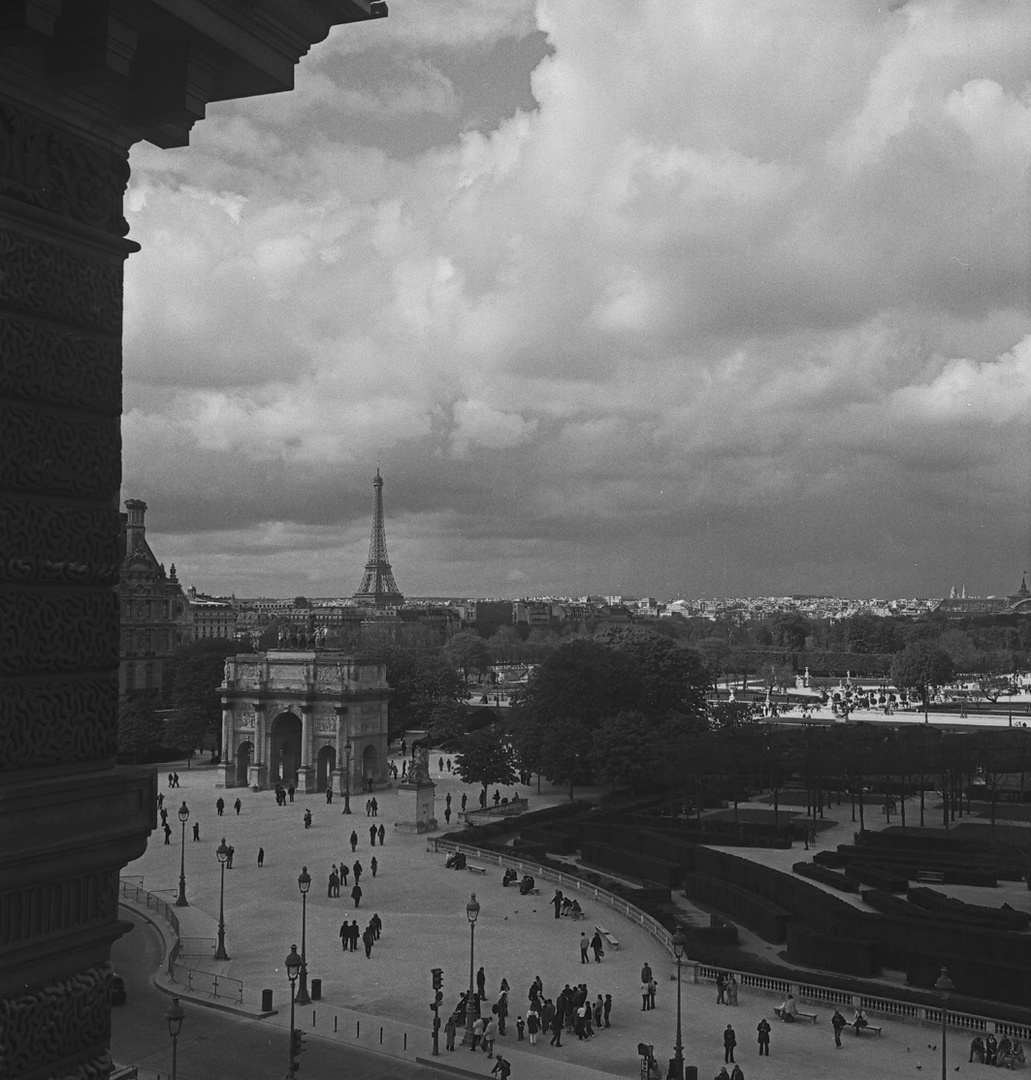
374 866
377 925
236 807
196 831
345 935
838 1022
464 799
261 856
372 835
382 834
354 840
355 934
357 868
729 1042
585 944
764 1037
356 895
168 833
344 871
607 1008
501 1009
220 805
557 902
597 947
481 984
368 937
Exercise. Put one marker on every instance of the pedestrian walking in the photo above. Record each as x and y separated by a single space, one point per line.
447 815
175 779
354 840
356 895
329 796
382 835
501 1011
585 944
450 1029
161 799
220 805
355 933
373 865
168 832
557 902
838 1022
440 766
520 1028
333 886
357 868
236 806
196 831
533 1026
290 792
502 1068
261 857
448 764
377 925
721 988
375 805
729 1042
464 798
478 1026
737 1073
345 935
372 835
764 1037
229 858
607 1009
556 1029
368 937
344 871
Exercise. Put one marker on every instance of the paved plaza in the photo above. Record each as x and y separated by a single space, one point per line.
422 906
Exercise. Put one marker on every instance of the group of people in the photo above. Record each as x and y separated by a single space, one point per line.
564 906
282 793
338 876
726 988
1005 1053
349 934
374 833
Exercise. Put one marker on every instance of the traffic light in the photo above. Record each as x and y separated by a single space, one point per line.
438 997
438 978
297 1043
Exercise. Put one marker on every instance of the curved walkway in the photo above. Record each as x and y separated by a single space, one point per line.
422 906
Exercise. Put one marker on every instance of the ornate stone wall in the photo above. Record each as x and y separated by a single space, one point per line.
80 82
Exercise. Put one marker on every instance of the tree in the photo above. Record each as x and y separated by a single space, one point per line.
420 686
302 602
487 758
468 652
565 752
922 666
672 677
197 673
627 748
186 728
139 730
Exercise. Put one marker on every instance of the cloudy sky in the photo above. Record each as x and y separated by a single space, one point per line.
672 298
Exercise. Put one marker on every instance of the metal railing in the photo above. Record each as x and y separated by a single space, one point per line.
197 980
778 987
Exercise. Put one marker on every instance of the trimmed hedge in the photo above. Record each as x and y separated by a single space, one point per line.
632 864
892 905
1004 918
993 980
852 956
877 877
826 877
768 920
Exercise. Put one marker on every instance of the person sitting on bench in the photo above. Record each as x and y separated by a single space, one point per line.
510 875
526 885
859 1021
575 910
788 1012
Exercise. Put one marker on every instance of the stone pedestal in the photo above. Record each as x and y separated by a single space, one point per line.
257 776
416 811
306 780
226 774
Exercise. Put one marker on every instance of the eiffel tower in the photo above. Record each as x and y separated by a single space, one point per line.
378 588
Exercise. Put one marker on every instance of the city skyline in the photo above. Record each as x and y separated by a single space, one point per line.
704 300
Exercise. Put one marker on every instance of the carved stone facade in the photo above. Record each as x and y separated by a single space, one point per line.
80 82
302 718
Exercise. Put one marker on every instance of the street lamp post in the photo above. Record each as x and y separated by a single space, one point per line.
679 943
347 778
174 1018
944 985
472 910
183 814
222 854
293 966
304 884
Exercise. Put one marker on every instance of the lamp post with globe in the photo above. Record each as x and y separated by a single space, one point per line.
472 911
304 884
174 1018
183 813
679 943
222 854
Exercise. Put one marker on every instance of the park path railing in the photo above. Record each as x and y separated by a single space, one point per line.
196 980
813 993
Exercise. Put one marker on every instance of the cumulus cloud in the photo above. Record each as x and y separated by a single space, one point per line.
735 301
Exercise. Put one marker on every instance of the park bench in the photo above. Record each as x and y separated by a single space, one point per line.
475 869
930 877
874 1029
609 937
799 1015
